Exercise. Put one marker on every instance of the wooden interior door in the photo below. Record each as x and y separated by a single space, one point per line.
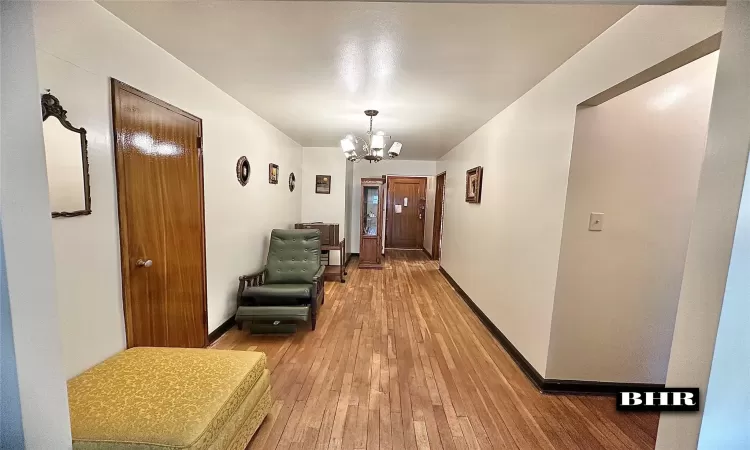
437 223
405 215
162 238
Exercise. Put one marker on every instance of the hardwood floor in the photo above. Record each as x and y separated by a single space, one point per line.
398 361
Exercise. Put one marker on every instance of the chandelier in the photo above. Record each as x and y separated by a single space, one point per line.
370 148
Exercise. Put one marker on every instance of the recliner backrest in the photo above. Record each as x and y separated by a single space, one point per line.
293 256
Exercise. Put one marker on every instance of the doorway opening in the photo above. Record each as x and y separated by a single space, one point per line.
437 223
634 173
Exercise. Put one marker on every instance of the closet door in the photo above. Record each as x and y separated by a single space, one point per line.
160 197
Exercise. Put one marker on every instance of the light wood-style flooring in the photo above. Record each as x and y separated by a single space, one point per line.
399 361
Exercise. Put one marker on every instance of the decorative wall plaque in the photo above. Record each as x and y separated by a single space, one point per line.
243 170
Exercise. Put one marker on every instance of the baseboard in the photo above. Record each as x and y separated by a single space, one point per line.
424 250
551 386
220 330
522 363
349 258
547 386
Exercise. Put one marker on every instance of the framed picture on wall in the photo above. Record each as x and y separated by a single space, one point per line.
243 170
273 173
322 184
474 185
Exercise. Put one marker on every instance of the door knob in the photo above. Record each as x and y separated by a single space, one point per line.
142 263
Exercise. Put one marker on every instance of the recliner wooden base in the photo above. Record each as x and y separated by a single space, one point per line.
275 327
271 319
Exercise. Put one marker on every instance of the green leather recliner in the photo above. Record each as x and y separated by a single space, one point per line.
290 286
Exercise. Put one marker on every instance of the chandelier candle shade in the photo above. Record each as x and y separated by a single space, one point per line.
371 148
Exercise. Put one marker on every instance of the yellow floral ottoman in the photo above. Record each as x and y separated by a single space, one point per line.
170 398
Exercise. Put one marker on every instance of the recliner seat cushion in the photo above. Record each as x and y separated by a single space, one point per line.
279 291
293 257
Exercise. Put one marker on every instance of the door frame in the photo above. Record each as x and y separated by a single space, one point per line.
437 222
116 87
388 223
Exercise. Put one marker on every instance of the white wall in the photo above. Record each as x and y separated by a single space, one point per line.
11 426
726 413
329 208
364 169
429 214
27 240
504 251
705 276
75 62
636 158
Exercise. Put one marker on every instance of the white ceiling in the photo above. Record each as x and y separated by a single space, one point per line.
436 71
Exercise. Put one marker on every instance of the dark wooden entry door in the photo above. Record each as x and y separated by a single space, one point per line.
405 216
162 238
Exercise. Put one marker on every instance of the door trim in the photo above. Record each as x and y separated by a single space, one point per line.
389 223
437 220
116 87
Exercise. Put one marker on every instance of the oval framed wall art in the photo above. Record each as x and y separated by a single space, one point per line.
292 182
243 170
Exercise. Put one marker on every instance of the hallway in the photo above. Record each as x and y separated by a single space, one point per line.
398 360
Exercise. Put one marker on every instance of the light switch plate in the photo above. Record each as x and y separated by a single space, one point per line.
596 221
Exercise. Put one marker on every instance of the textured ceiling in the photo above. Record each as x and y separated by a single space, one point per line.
436 71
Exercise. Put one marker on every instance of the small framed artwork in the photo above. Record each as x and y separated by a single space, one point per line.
474 185
322 184
292 182
273 173
243 170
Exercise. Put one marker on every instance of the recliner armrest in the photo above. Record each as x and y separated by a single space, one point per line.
319 274
318 294
254 279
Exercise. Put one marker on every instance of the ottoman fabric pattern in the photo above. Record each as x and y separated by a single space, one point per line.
258 403
164 398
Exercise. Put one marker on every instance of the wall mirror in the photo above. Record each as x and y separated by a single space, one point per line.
67 161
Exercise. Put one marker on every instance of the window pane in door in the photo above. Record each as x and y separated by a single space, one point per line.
371 211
